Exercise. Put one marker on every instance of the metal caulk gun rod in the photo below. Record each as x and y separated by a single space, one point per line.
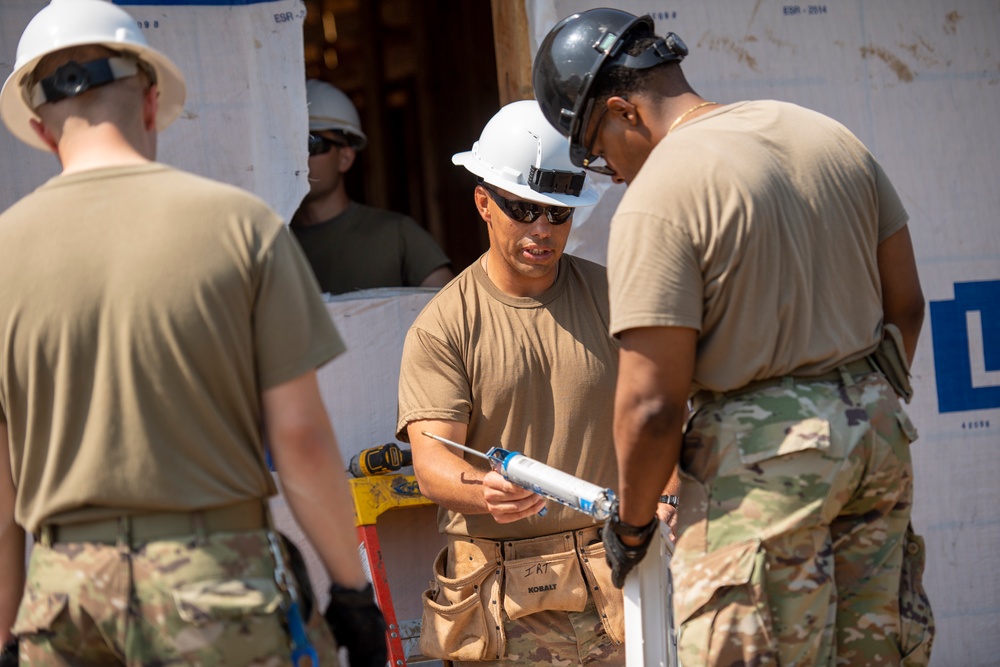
452 443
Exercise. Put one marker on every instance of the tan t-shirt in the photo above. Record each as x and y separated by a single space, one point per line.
142 311
530 374
756 224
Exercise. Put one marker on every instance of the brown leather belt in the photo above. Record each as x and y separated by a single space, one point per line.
141 528
546 545
852 370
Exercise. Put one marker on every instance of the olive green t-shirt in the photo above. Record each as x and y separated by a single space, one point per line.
142 312
534 375
757 225
365 247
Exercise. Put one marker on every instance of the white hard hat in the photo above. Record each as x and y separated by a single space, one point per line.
331 109
65 23
521 153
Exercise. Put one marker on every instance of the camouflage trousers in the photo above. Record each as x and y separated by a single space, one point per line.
208 600
560 638
794 545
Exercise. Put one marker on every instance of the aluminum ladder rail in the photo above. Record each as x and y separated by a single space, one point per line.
650 637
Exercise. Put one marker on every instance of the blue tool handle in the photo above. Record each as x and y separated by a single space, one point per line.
302 649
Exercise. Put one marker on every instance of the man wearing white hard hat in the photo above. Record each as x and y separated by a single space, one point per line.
515 352
150 322
351 246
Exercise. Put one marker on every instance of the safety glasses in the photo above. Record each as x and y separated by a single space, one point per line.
527 212
580 148
321 145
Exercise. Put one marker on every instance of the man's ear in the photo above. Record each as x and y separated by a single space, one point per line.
150 108
483 204
346 158
45 135
622 108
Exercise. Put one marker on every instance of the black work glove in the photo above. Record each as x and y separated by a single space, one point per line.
358 624
8 656
620 556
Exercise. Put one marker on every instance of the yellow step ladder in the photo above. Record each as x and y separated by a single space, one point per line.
374 496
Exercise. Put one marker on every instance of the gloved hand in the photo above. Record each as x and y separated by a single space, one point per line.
9 655
620 556
358 625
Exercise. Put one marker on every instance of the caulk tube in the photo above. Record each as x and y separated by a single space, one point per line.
556 485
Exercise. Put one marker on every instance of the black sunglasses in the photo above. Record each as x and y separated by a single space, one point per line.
321 145
527 212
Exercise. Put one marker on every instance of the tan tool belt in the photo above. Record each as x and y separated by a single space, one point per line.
139 529
477 582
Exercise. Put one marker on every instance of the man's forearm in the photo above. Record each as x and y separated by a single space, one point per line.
443 475
648 447
316 489
654 376
312 475
902 297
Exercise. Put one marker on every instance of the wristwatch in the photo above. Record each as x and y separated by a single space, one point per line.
669 500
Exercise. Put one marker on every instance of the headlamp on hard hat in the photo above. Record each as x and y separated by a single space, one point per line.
556 180
73 78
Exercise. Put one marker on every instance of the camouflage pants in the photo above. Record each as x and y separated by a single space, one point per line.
199 601
794 545
560 638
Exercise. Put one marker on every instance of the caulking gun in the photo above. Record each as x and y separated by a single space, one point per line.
544 480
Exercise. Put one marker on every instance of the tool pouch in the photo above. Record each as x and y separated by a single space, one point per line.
542 574
608 599
461 609
890 357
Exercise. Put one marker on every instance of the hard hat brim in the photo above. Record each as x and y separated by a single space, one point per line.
358 138
469 160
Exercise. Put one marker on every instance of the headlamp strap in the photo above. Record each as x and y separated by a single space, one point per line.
556 180
73 78
665 49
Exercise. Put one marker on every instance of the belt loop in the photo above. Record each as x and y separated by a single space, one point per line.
872 365
845 376
198 527
124 538
45 535
788 382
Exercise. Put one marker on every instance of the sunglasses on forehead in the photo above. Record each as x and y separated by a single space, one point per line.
528 212
321 145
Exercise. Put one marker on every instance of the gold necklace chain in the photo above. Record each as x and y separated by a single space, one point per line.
684 115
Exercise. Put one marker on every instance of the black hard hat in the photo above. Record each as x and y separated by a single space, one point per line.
572 54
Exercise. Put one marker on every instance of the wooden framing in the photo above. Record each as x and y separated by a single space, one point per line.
513 50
